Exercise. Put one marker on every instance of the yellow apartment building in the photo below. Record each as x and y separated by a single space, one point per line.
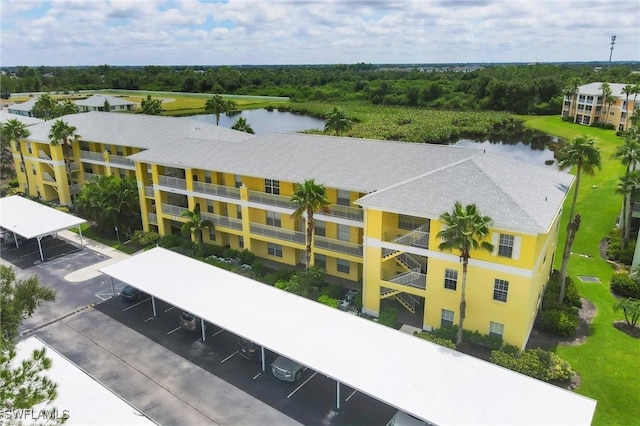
588 108
380 233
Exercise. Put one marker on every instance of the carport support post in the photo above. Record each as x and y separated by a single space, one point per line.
153 304
337 395
81 242
40 247
204 337
113 287
263 360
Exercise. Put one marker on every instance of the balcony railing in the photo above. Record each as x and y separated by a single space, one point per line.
121 159
153 218
75 166
43 155
90 155
411 279
271 199
47 177
279 233
220 190
338 246
172 182
223 221
172 210
345 212
419 237
148 191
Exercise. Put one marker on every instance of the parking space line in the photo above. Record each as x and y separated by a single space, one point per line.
168 309
217 332
230 356
256 376
148 319
349 397
301 385
174 330
139 303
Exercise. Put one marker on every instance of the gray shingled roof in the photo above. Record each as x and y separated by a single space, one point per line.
595 89
137 130
360 165
98 101
515 195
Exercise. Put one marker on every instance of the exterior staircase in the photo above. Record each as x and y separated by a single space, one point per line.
407 301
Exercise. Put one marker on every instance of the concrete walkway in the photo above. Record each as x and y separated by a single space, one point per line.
89 272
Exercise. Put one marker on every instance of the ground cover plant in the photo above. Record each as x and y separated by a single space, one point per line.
608 361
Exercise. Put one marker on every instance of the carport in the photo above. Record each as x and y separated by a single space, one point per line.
436 384
30 219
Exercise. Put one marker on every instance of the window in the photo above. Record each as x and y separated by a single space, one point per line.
239 212
496 329
500 290
241 242
207 177
30 147
88 169
239 181
194 177
21 168
321 261
321 229
450 279
409 222
271 186
344 233
344 198
119 152
343 266
212 235
33 169
274 249
446 320
209 206
505 245
273 219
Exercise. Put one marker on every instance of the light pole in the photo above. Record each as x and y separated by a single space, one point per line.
613 41
117 233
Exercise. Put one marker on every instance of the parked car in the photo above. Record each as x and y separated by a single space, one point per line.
248 349
189 322
287 370
131 294
403 419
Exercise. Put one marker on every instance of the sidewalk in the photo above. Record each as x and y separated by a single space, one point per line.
89 272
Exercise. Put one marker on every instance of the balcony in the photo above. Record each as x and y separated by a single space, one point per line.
121 159
92 156
152 218
271 199
345 212
411 279
223 221
219 190
279 233
172 182
90 176
47 177
148 191
419 237
172 210
338 246
43 155
74 166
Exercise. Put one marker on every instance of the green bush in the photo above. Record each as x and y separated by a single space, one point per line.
144 239
448 333
558 322
13 183
552 292
169 241
333 291
484 340
624 285
182 250
246 257
229 252
329 301
510 349
536 363
435 339
388 317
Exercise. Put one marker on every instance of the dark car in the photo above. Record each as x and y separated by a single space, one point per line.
131 294
248 349
188 321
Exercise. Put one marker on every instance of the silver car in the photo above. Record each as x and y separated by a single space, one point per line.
287 370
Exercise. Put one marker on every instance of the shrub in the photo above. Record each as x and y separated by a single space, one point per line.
13 183
558 322
448 333
329 301
437 340
624 285
388 317
631 310
144 239
182 250
536 363
169 241
510 349
552 292
485 340
333 291
247 257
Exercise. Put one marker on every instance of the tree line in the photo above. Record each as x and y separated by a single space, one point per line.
521 89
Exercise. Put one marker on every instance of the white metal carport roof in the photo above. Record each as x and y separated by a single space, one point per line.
431 382
30 219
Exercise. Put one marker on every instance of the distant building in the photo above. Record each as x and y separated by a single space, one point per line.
23 108
96 103
590 108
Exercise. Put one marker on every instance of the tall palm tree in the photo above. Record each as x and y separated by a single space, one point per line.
581 153
195 225
636 91
627 90
65 108
628 186
62 133
337 121
217 105
465 229
629 152
242 125
606 92
15 130
45 107
572 91
310 197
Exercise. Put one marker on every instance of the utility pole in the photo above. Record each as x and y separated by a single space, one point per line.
613 41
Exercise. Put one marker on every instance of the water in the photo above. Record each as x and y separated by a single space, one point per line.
263 121
531 147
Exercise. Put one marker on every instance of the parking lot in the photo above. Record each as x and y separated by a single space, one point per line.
27 254
311 400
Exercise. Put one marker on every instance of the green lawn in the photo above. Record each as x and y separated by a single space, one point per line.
91 234
609 362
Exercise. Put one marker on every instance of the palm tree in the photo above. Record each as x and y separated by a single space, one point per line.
628 186
15 130
195 225
627 90
65 108
636 90
606 92
629 152
45 107
337 121
61 133
217 105
242 125
465 230
309 197
151 106
581 153
572 91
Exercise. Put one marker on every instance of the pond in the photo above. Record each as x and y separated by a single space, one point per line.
531 147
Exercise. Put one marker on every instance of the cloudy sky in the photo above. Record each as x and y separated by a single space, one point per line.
235 32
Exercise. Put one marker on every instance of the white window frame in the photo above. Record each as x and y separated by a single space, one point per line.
451 276
343 266
271 186
343 232
446 317
498 241
320 260
273 219
320 228
500 290
241 241
496 329
274 249
344 198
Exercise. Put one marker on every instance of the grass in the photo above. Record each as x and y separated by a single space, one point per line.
608 361
90 233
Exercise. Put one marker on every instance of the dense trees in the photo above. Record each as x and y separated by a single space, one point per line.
15 131
62 133
522 89
151 106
